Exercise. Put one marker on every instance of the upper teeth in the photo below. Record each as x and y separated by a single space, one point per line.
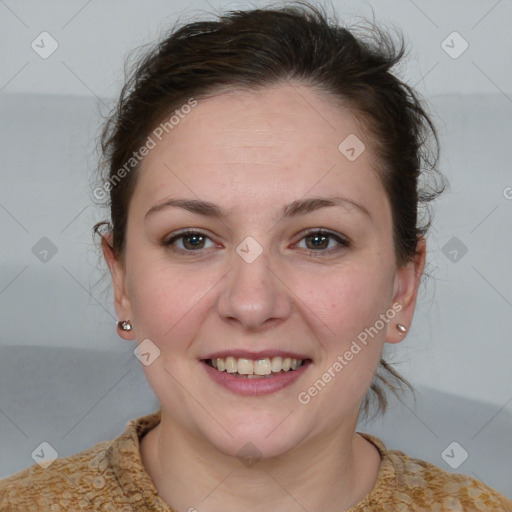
264 366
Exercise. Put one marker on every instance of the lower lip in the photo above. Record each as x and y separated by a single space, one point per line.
254 387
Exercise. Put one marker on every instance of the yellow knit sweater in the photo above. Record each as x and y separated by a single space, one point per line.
110 477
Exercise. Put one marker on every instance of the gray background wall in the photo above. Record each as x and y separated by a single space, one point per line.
460 340
93 36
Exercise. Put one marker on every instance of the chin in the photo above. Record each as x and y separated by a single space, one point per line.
251 449
255 439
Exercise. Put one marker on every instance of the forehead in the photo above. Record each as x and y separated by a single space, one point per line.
282 122
250 148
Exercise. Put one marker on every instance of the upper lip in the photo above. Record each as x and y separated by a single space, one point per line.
260 354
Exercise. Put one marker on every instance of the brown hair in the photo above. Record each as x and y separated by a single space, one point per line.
258 48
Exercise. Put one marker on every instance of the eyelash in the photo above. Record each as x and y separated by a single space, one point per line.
343 243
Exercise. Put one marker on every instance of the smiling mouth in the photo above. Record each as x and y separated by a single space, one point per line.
256 369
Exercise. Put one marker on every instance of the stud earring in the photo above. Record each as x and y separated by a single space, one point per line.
401 328
124 325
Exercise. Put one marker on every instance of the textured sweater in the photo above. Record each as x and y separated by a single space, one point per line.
111 477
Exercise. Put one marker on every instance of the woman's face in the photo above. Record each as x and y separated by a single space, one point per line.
258 282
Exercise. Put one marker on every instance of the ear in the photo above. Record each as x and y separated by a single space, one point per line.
118 273
407 281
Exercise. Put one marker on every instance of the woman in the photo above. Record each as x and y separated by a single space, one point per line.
264 244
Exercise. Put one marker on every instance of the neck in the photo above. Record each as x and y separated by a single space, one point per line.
189 473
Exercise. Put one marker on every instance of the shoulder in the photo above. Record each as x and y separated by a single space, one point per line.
406 484
69 483
428 484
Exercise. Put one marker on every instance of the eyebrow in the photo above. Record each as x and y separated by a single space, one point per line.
294 209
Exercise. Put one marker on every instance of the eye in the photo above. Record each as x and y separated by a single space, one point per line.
320 241
317 242
192 241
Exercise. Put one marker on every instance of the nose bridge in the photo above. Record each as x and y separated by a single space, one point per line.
253 292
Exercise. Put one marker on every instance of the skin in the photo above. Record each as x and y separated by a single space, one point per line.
251 153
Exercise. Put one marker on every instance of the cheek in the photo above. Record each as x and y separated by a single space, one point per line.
348 304
345 307
163 299
347 300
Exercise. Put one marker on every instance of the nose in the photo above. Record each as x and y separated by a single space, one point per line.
254 295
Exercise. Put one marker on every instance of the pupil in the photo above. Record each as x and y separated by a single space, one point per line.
317 237
196 237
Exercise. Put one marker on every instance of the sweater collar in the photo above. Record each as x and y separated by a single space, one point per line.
126 462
